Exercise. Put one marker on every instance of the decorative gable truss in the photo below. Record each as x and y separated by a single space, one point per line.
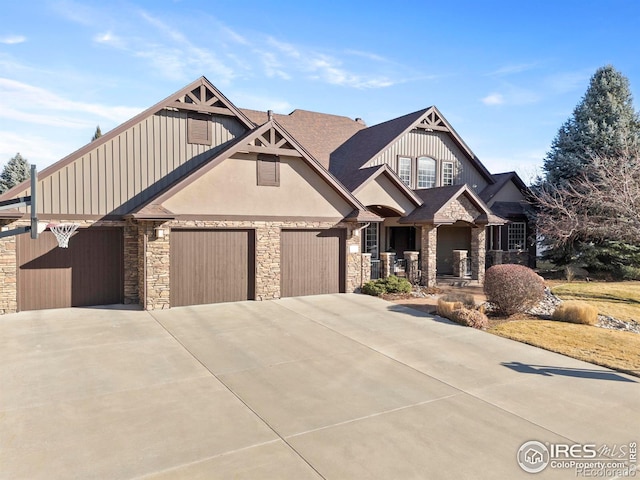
203 99
201 96
433 122
272 142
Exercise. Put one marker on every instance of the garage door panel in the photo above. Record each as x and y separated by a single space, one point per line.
312 262
89 272
212 266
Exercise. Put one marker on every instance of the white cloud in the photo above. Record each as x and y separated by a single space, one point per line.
493 99
108 38
258 102
13 39
41 151
568 81
37 105
513 69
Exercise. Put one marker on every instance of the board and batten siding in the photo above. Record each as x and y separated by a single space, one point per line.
437 145
129 169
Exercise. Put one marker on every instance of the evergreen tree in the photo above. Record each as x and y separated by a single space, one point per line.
16 171
603 124
97 135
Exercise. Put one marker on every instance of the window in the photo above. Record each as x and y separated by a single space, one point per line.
268 170
447 173
199 130
404 170
370 240
426 172
516 236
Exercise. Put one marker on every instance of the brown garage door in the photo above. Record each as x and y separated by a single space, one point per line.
89 272
212 266
312 262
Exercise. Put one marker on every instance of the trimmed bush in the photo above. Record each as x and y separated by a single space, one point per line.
513 288
397 285
573 311
456 312
373 288
391 284
470 318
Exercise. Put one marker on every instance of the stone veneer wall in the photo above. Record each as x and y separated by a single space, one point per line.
428 262
461 209
478 253
131 286
8 273
155 260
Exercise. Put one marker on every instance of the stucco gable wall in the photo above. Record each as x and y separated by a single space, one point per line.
381 191
231 188
132 167
508 193
438 145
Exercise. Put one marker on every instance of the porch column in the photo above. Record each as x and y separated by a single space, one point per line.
366 268
459 270
428 242
478 252
413 268
387 260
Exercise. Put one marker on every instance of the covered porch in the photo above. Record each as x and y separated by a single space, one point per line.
444 238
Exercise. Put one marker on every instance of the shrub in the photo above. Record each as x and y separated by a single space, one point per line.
513 288
397 285
445 309
470 318
391 284
465 298
456 312
574 311
373 288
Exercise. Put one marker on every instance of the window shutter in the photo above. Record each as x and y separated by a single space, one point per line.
268 170
199 130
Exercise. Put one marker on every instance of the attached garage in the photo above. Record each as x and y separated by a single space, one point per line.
89 272
313 262
212 266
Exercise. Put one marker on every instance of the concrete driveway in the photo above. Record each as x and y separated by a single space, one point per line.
333 386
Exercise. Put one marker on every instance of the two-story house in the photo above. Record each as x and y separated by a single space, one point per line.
196 201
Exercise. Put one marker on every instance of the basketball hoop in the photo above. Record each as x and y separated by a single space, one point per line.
63 232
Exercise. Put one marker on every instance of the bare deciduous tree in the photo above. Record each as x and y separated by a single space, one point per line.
601 204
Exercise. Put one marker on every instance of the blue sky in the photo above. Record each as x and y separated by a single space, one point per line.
506 74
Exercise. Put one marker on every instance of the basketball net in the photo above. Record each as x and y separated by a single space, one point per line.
63 232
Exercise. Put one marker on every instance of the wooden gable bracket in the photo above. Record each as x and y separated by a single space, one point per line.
432 122
202 99
273 143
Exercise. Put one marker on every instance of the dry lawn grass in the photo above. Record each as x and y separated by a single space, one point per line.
617 299
608 348
612 349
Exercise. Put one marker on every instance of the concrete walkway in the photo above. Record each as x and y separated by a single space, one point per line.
333 386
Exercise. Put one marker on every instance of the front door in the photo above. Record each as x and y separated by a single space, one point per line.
402 239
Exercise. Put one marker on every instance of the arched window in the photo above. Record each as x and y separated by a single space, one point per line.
426 172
